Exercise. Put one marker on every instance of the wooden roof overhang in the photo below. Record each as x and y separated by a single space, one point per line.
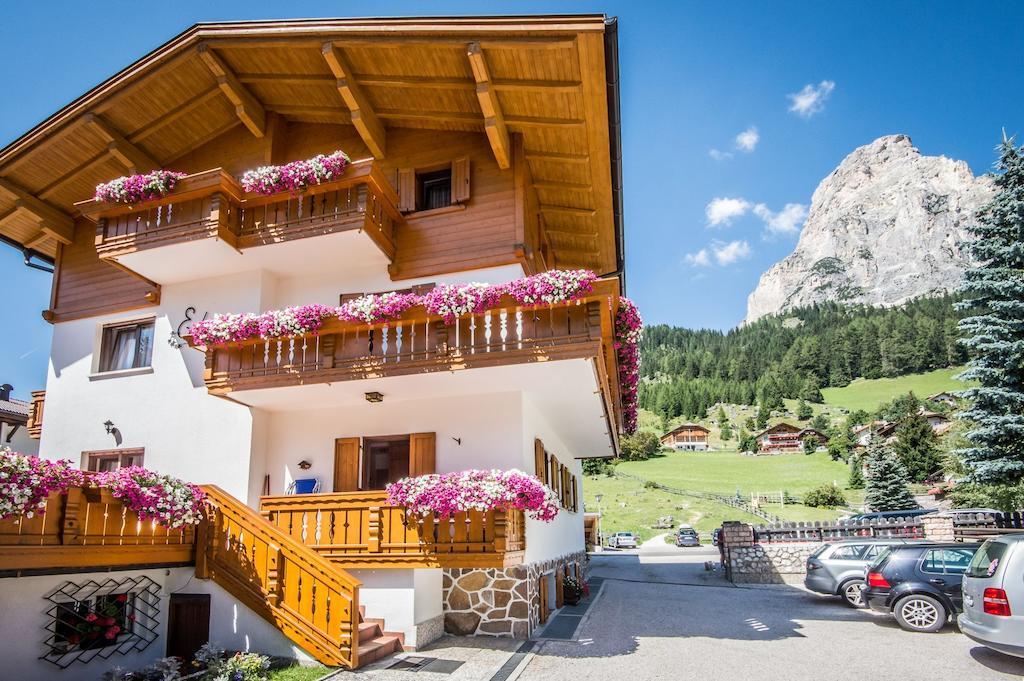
551 79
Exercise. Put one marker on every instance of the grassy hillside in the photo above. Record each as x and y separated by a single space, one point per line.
867 394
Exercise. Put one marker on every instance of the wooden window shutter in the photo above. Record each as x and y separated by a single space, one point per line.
566 486
421 453
575 495
406 190
346 464
540 460
460 180
553 481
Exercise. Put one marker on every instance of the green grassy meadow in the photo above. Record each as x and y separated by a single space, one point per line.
867 394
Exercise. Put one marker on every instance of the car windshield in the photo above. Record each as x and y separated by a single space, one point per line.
986 561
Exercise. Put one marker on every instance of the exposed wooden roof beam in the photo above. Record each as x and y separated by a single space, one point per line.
568 210
10 214
287 78
538 85
247 107
134 160
553 184
494 121
418 82
363 117
174 114
299 110
538 121
36 241
440 116
556 157
53 221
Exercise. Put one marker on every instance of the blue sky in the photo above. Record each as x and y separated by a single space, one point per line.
695 75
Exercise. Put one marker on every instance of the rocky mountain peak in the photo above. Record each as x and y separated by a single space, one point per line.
884 227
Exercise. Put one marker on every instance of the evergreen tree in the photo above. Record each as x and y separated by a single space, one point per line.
856 479
820 422
840 445
811 390
762 417
918 447
994 336
804 411
726 431
886 486
747 442
750 423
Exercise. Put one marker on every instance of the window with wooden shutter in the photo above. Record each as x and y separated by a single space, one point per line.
421 453
406 190
460 180
575 495
540 460
346 464
554 474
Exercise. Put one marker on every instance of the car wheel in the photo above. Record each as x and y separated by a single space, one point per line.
920 613
852 592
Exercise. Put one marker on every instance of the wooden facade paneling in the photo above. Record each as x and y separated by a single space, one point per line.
85 286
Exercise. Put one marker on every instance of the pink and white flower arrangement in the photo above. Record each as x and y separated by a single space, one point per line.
376 308
138 188
27 481
628 330
291 321
446 494
454 300
551 287
296 176
169 501
294 321
225 328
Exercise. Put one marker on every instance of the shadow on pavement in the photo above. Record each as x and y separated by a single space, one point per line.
996 661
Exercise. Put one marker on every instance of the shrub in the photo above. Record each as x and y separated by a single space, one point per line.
640 446
825 496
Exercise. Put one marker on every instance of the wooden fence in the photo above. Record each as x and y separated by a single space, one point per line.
819 531
977 526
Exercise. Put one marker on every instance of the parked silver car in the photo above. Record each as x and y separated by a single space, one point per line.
837 568
994 595
622 540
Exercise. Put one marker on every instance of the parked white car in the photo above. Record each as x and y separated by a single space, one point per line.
622 540
994 595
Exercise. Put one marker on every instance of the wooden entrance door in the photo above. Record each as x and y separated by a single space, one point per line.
188 624
542 590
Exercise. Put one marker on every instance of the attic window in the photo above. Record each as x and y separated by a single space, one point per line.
434 189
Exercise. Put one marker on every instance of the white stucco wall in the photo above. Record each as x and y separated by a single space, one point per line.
403 598
232 625
19 441
488 426
564 534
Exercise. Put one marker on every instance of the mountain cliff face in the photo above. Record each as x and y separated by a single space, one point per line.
884 227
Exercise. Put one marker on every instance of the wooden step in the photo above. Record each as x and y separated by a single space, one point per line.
369 631
378 648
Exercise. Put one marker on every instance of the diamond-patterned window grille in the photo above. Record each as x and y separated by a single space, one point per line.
93 619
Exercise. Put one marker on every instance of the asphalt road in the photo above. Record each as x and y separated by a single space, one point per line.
660 615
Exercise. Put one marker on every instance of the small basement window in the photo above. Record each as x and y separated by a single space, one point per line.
126 346
434 189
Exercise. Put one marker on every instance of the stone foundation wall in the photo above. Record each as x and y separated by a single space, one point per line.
498 601
769 563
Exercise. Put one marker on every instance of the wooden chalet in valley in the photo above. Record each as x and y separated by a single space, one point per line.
785 438
482 150
690 437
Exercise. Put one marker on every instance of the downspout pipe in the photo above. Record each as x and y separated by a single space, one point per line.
45 262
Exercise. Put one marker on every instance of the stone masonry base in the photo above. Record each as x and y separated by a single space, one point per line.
498 601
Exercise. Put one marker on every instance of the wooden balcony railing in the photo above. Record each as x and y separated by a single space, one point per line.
311 601
212 205
359 530
89 528
419 342
35 414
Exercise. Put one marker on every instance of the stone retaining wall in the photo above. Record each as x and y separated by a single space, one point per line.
769 563
498 601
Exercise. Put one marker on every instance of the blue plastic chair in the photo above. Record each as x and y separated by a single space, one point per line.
304 486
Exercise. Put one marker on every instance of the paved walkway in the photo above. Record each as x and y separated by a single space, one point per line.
660 615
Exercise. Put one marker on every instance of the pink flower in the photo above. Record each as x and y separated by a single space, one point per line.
167 500
628 330
137 188
454 300
91 617
112 632
297 175
444 495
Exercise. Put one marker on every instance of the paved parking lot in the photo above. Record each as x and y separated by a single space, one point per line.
661 616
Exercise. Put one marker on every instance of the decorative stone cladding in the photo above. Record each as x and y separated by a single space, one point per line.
938 527
500 601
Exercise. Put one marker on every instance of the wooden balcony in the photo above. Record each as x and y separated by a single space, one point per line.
35 414
89 529
359 530
422 343
211 207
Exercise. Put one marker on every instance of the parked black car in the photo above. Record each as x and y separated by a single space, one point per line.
919 584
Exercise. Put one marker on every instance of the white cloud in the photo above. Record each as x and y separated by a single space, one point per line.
728 253
789 220
719 155
748 139
699 259
811 99
722 211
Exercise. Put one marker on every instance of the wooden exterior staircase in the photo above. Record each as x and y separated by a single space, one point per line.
310 600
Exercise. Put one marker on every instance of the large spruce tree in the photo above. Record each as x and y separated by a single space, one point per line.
994 334
886 487
917 446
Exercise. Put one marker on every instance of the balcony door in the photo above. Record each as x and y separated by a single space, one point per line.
371 463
